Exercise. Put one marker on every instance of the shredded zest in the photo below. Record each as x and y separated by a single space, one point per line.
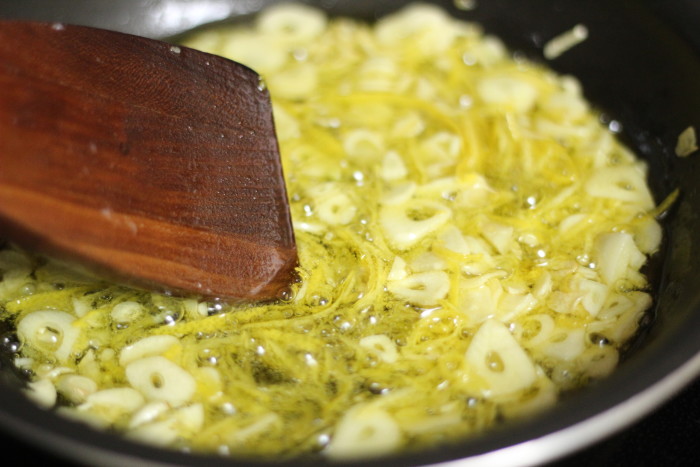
470 240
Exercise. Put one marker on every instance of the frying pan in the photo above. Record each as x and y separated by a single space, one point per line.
640 66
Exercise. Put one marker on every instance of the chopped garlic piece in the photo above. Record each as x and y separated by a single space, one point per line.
382 346
126 312
594 295
398 270
296 83
399 194
148 413
648 235
364 431
496 356
423 288
687 142
292 23
409 223
624 183
614 253
515 94
146 347
76 388
428 27
563 42
49 331
393 167
500 236
335 208
180 422
158 378
42 392
114 401
565 344
364 144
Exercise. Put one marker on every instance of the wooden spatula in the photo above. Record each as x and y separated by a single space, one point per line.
153 164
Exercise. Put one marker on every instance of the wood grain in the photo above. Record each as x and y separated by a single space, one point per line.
153 164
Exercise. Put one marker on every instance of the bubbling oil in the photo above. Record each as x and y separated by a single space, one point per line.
470 237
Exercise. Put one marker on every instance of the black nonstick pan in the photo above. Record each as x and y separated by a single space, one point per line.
640 65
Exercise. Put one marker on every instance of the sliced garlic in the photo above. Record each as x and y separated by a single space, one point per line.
687 142
565 344
178 423
49 331
126 312
536 329
76 388
42 392
398 194
335 208
382 346
542 286
408 224
478 303
422 289
500 236
286 126
496 356
512 305
393 167
625 183
648 235
441 146
428 25
157 378
260 54
363 432
515 94
594 295
615 252
427 261
408 126
80 307
293 23
452 238
294 83
146 347
114 401
599 361
398 270
364 144
148 413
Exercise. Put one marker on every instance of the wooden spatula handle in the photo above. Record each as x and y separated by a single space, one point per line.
153 163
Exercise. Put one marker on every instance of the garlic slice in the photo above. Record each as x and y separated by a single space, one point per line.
146 347
515 94
76 388
113 402
382 346
335 208
292 23
613 253
496 356
625 183
159 379
49 331
364 431
423 288
125 312
408 224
